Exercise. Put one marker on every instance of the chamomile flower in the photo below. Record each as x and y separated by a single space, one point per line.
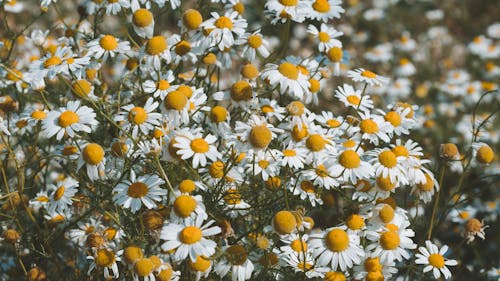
198 147
186 206
224 30
425 190
176 107
137 118
351 167
236 261
254 43
337 248
324 10
155 50
305 263
353 98
137 191
288 77
69 120
115 6
326 36
263 164
373 127
189 238
473 228
321 174
61 196
293 157
372 269
107 45
306 190
256 132
106 259
367 76
433 258
391 243
388 165
92 155
143 23
284 10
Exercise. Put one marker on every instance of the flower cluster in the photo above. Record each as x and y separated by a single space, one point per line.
187 140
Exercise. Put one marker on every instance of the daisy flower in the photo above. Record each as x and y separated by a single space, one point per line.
306 190
106 259
202 267
288 77
115 6
69 120
304 263
160 87
62 194
373 127
321 175
326 36
236 260
92 155
176 107
198 147
143 23
137 118
473 228
107 45
233 204
186 206
254 44
351 167
373 269
324 10
155 50
271 109
256 132
263 164
337 248
50 65
388 165
425 190
182 50
284 10
293 157
433 258
189 239
353 98
391 243
366 76
294 244
224 29
139 190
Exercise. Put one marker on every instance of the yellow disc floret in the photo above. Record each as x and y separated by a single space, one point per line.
337 240
93 154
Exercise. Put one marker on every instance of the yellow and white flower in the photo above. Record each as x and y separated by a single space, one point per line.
69 120
433 258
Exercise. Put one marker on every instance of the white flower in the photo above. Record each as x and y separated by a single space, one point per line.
288 77
235 259
326 36
138 118
137 191
366 76
324 10
198 147
224 29
353 98
433 257
107 45
61 197
188 239
70 119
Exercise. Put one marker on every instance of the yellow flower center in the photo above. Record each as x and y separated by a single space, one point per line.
224 22
449 150
323 36
333 123
52 61
182 48
201 264
267 109
232 197
374 276
335 276
353 99
284 222
104 258
373 264
108 42
236 254
289 70
263 164
38 115
386 213
289 153
355 222
385 183
316 142
307 186
81 88
190 235
143 267
254 41
289 3
428 185
137 115
485 154
473 225
249 71
337 240
192 19
349 159
59 193
393 117
321 6
296 108
368 126
299 134
400 150
119 149
241 91
132 253
436 260
186 90
216 169
389 240
68 118
335 54
464 215
218 114
321 171
298 245
187 186
69 150
184 205
175 100
260 136
199 145
142 18
239 7
388 159
163 85
156 45
137 190
368 74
